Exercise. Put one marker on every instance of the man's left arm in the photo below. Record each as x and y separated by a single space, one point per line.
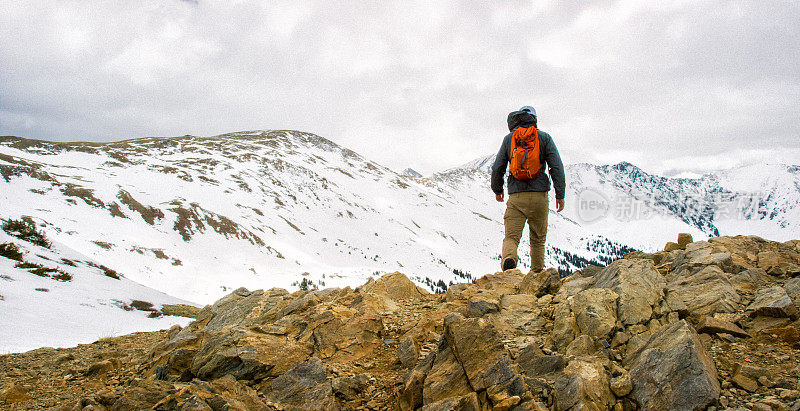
556 170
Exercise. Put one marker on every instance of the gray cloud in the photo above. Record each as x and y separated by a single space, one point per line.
666 85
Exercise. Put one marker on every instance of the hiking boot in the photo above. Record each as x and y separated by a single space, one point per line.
509 263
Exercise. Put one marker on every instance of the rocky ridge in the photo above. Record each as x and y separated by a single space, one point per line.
707 325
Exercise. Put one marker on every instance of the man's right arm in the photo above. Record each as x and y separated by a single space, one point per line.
499 167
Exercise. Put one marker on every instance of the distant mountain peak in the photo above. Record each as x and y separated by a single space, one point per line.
411 172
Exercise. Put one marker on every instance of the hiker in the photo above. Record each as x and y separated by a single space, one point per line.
528 150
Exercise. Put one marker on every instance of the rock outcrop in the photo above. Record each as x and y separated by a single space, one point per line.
706 324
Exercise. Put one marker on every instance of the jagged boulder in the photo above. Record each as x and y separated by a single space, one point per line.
395 286
773 302
484 359
684 239
304 387
503 283
565 328
247 356
446 379
466 402
705 291
223 393
410 395
407 353
779 261
673 371
595 311
639 285
702 254
232 309
583 386
749 281
540 283
792 288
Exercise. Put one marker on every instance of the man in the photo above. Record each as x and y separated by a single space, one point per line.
527 199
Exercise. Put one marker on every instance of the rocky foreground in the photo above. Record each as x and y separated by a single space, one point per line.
706 325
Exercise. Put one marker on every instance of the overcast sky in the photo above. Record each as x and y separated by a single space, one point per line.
666 85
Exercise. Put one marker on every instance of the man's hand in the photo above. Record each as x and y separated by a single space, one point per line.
499 197
559 204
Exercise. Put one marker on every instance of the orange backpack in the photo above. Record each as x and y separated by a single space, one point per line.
524 156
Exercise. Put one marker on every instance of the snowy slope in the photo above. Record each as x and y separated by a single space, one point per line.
196 217
40 310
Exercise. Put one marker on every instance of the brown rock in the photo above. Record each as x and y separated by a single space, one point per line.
540 283
446 378
408 353
745 383
684 239
705 292
622 385
102 367
482 355
713 325
181 310
394 286
584 385
788 334
656 384
468 402
773 302
14 393
503 283
595 311
639 285
670 246
753 372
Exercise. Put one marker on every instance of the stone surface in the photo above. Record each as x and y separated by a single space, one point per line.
564 327
773 302
394 286
583 386
622 385
705 292
540 283
673 371
304 386
684 239
749 281
408 353
535 365
639 286
446 378
671 246
582 345
484 359
753 372
745 383
713 325
476 309
468 402
595 311
14 393
792 288
503 283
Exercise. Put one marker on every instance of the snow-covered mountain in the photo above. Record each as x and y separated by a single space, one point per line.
196 217
625 203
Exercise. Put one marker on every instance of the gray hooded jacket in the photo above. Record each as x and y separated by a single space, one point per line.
548 154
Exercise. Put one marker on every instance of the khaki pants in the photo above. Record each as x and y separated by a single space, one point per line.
531 207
